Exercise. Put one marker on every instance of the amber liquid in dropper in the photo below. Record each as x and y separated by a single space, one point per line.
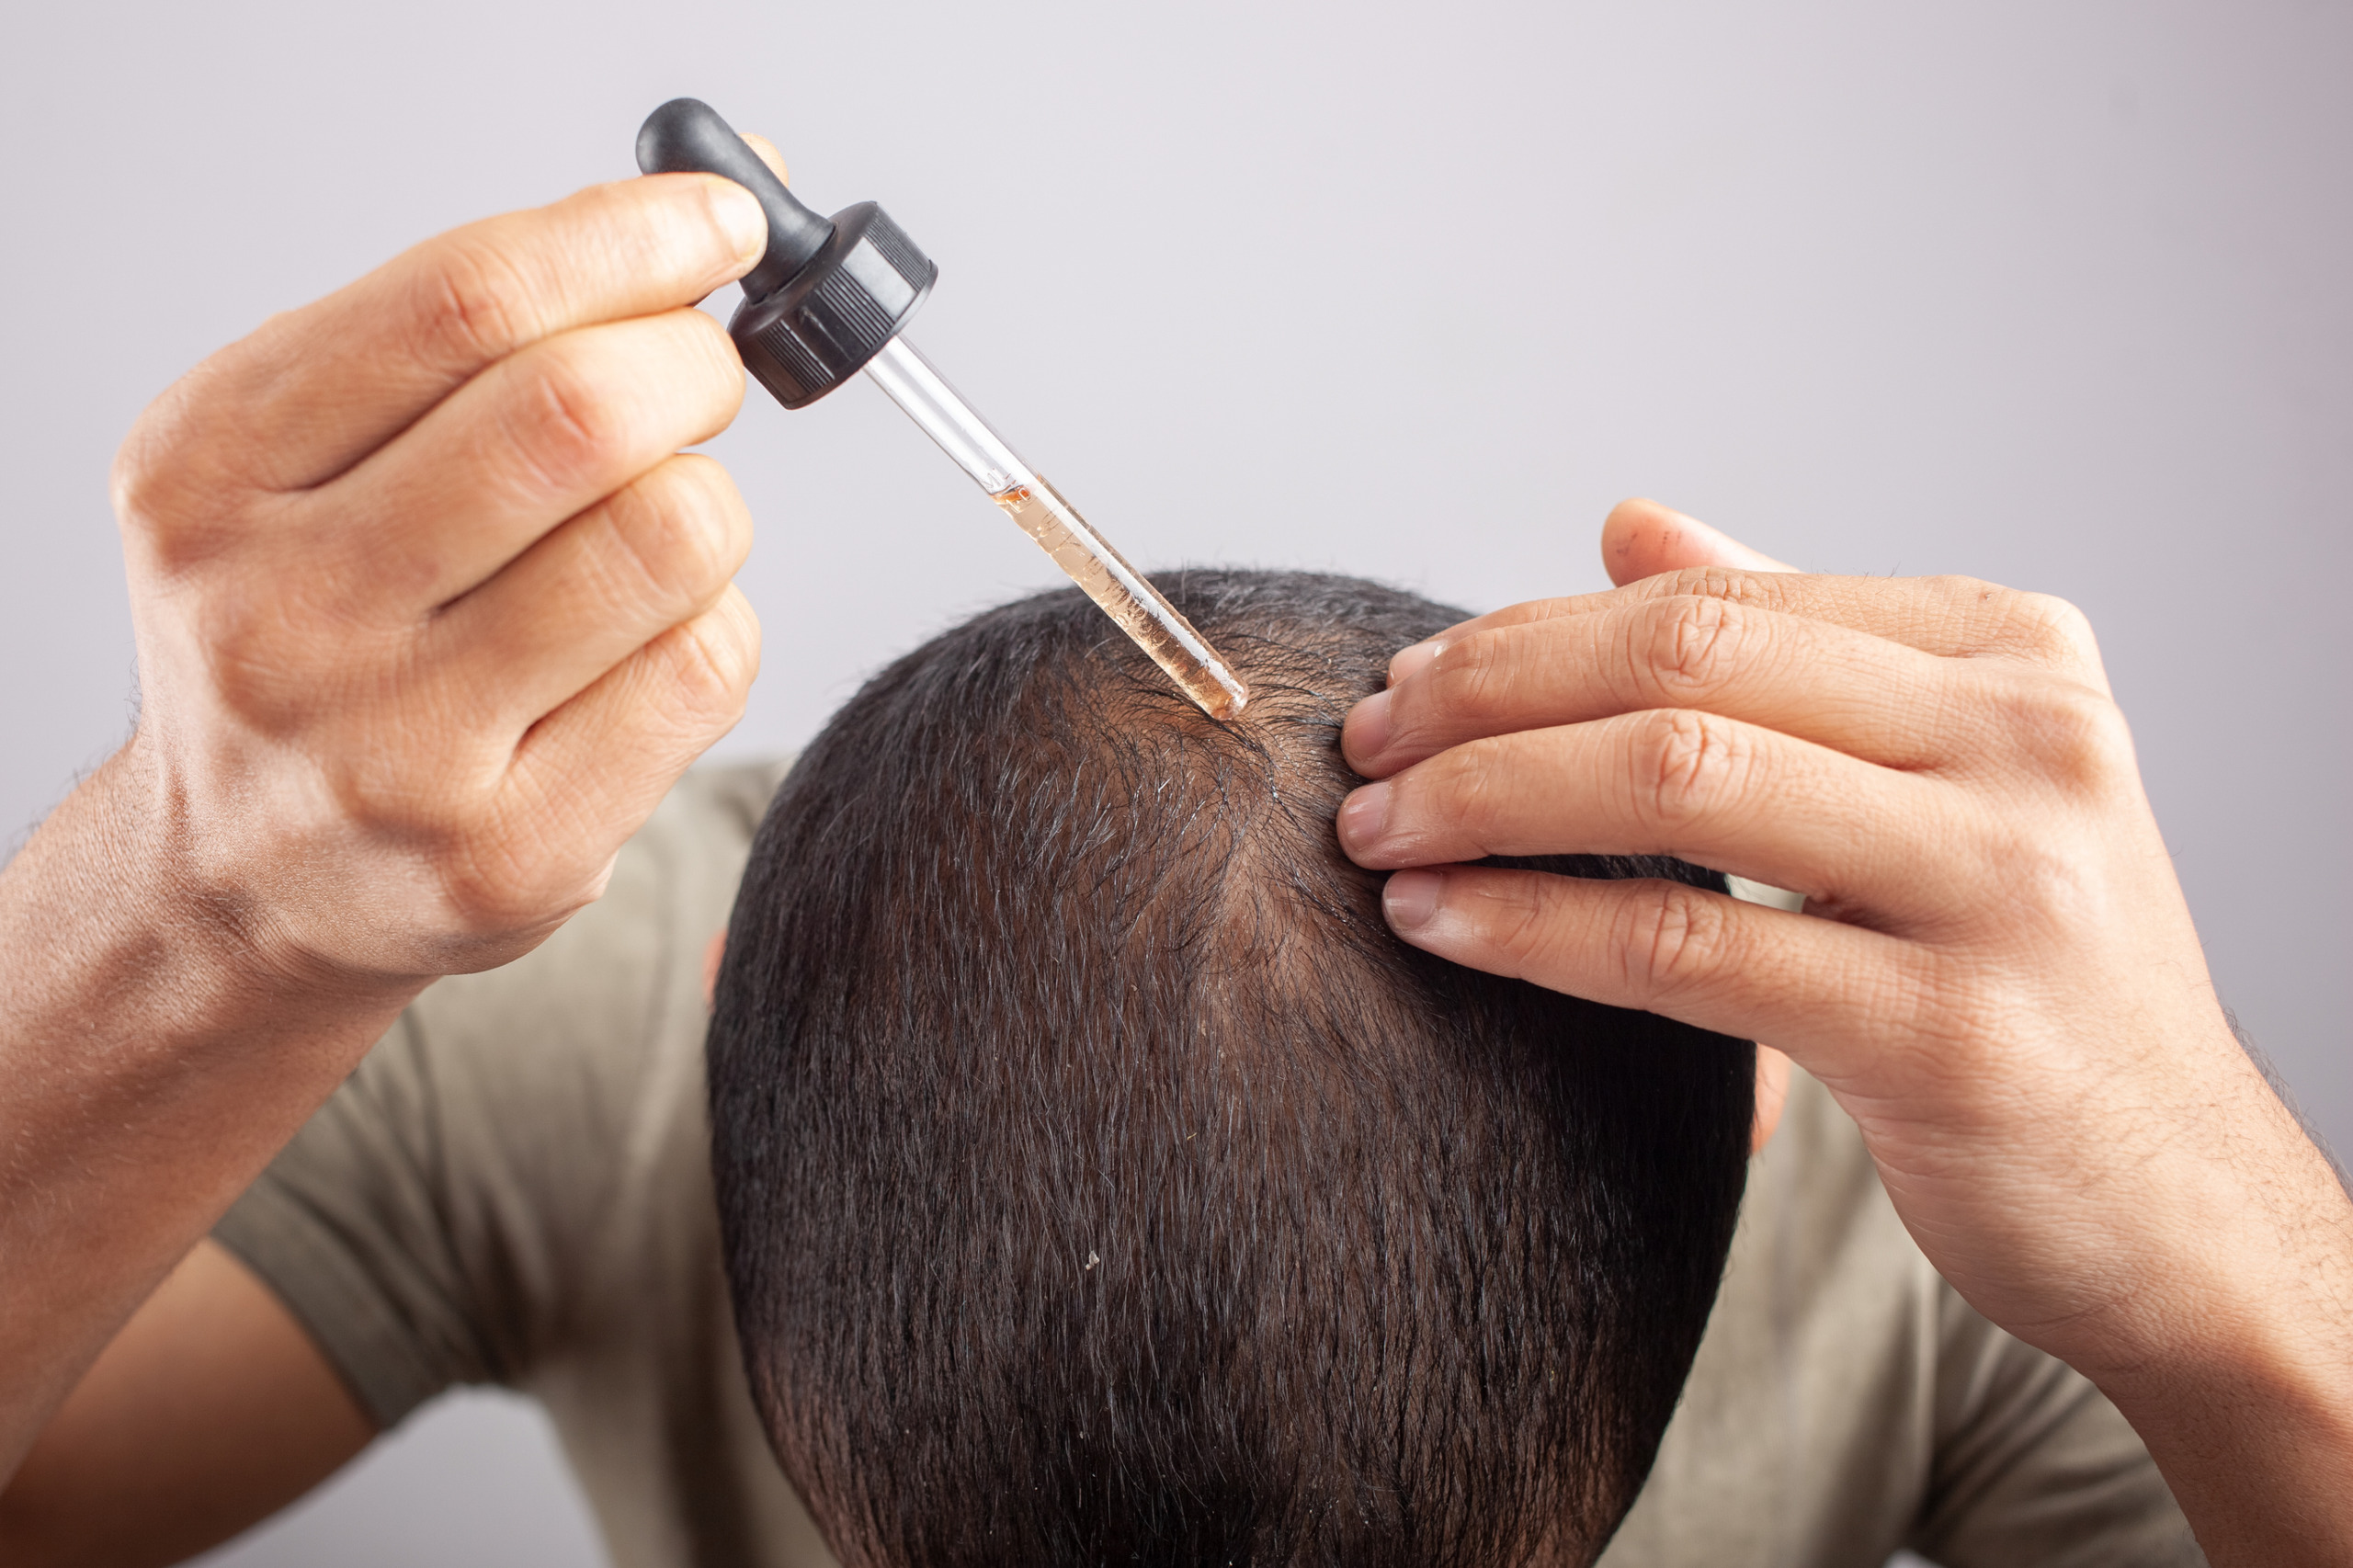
1125 594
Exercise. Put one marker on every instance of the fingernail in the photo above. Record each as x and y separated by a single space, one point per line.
739 215
1411 898
1409 662
1366 730
1361 815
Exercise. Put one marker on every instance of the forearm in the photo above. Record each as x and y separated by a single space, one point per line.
2257 1452
155 1052
2235 1362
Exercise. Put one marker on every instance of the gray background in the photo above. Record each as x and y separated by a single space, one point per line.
2049 295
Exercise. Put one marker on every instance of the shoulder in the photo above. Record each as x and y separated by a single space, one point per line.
518 1132
1846 1401
1806 1431
1825 1295
538 1064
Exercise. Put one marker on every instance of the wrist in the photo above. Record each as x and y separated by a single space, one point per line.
2235 1243
235 898
114 897
2233 1355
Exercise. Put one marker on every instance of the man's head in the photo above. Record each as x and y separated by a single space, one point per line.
1101 1182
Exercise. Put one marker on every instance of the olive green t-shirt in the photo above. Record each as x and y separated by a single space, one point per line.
514 1187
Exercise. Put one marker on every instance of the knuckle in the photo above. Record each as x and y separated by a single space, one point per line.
677 533
607 402
496 871
146 488
2038 627
2050 628
257 660
1694 642
713 659
1521 921
491 885
1463 788
2049 885
1673 938
1959 590
578 420
1471 679
479 305
2069 734
172 482
1687 764
398 798
1726 585
140 481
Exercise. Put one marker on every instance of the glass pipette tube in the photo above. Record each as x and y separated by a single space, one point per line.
1122 591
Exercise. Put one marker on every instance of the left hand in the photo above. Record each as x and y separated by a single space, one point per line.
1995 973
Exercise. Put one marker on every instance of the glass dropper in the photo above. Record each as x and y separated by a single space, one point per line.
1126 596
829 297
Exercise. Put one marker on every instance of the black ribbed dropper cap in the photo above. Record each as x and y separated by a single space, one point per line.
828 293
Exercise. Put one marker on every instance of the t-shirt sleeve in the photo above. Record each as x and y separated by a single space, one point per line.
2034 1467
444 1217
349 1226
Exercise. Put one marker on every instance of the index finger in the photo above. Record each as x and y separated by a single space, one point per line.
1956 618
315 390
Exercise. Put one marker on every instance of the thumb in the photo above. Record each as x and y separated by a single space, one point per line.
1642 539
769 154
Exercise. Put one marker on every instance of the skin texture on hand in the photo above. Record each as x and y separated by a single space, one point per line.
431 610
1995 973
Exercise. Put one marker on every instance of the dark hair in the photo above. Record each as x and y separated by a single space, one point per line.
1102 1182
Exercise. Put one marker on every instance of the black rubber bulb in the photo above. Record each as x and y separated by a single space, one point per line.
686 136
829 293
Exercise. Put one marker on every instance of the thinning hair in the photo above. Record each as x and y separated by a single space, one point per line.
1101 1181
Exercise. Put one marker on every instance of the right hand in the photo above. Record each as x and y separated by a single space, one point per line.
430 612
431 607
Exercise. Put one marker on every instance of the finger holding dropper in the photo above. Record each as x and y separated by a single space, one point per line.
829 299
